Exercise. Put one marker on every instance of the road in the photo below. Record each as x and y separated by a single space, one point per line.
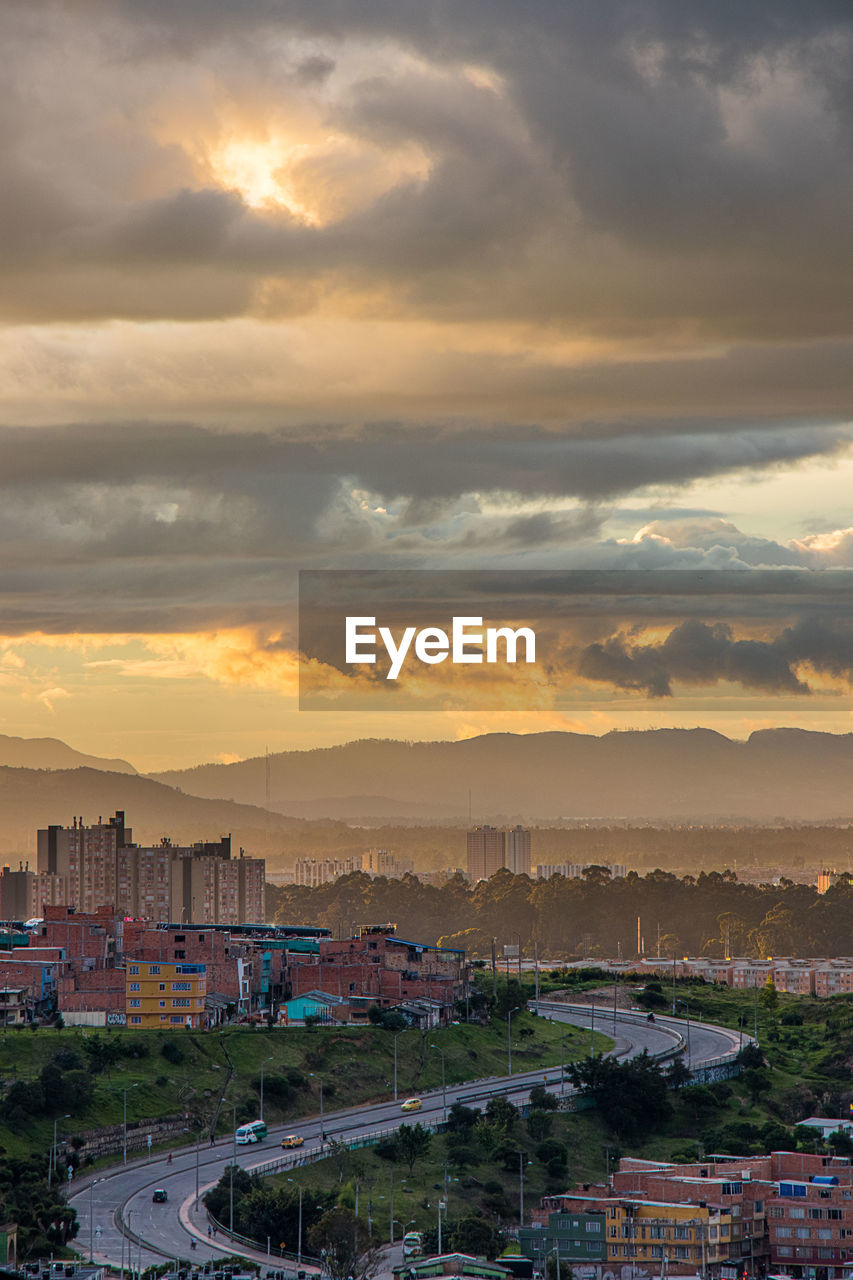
115 1207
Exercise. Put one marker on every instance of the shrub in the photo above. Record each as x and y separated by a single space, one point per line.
171 1052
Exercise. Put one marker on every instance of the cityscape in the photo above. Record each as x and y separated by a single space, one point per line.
426 640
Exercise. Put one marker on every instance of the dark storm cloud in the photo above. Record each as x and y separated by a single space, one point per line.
395 462
696 654
633 165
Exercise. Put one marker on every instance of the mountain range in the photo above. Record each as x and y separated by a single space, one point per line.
651 775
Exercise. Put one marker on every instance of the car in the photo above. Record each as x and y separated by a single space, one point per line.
411 1104
292 1140
159 1196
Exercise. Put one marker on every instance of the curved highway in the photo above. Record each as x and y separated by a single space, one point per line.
120 1223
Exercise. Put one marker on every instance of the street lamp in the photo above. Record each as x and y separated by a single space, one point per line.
269 1059
556 1252
52 1162
319 1080
521 1163
299 1238
124 1127
687 1007
509 1039
396 1034
443 1082
233 1162
92 1220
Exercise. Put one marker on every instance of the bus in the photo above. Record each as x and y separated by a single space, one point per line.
254 1132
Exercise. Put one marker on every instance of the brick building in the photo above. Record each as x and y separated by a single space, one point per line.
382 967
787 1212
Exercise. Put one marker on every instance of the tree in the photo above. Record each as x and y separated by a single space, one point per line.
501 1114
413 1142
348 1252
769 997
476 1236
539 1125
631 1096
542 1100
461 1119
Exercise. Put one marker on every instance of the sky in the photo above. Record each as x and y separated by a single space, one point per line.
413 285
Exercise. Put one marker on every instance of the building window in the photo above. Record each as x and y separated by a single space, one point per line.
177 1017
182 986
785 1251
135 1004
815 1213
803 1233
783 1233
134 986
798 1213
162 1004
180 1004
593 1226
153 968
135 1018
180 955
833 1214
824 1234
777 1213
162 986
134 968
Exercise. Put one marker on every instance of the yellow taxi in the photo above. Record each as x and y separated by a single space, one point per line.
411 1104
292 1140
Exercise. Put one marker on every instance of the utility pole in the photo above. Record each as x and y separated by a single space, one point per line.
521 1188
592 1031
536 966
396 1033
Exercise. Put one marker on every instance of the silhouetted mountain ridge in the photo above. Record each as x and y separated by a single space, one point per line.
638 775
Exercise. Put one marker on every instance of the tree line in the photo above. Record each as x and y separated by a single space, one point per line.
712 914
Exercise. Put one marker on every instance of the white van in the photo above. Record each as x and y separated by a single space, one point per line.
254 1132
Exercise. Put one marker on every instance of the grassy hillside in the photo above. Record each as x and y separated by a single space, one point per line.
190 1072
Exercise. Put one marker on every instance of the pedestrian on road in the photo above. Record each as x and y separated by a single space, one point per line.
214 1233
212 1139
209 1232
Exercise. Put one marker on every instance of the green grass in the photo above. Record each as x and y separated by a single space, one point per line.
416 1196
355 1064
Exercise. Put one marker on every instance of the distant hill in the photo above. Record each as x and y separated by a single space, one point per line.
31 798
665 775
50 753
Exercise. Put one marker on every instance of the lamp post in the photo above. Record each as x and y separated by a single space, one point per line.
319 1080
233 1162
396 1033
521 1158
443 1083
92 1220
592 1031
52 1162
299 1236
124 1126
556 1252
269 1059
562 1066
687 1007
509 1040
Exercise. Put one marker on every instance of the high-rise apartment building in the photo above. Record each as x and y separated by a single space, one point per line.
518 851
486 852
99 866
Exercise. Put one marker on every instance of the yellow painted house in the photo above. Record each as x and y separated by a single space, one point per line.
164 995
687 1235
